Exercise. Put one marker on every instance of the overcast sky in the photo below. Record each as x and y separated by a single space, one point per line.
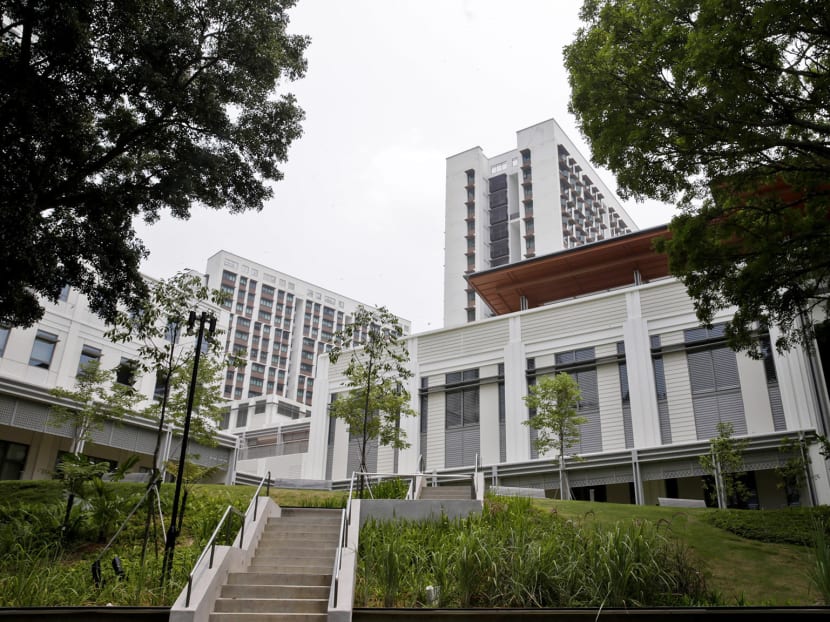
393 88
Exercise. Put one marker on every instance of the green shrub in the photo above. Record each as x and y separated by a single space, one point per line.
786 526
40 566
513 555
819 571
387 489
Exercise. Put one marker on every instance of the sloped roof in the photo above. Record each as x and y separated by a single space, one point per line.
579 271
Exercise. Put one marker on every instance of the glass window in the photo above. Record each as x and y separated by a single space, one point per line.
242 415
125 372
161 385
43 349
88 355
4 338
12 460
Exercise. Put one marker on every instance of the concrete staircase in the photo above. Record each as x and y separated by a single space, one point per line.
448 493
290 574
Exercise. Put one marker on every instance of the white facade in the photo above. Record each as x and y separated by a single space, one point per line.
539 198
654 384
48 355
280 324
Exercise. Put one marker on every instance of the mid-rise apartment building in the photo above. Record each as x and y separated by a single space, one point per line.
50 354
279 325
539 198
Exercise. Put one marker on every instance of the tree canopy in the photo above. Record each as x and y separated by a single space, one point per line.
111 111
157 325
376 375
721 107
555 400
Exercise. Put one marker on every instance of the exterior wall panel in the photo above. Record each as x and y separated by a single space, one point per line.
665 300
610 407
679 398
576 318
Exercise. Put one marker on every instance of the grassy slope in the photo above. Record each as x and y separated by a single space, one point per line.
743 571
31 577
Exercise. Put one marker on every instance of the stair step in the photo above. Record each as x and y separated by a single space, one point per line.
271 605
280 578
286 569
305 535
289 577
275 591
320 522
447 492
324 561
267 617
294 550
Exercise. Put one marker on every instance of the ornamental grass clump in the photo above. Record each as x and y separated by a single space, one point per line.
514 555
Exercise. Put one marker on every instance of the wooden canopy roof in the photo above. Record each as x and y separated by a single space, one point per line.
579 271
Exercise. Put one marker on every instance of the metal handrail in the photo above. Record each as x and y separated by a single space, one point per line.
345 517
211 543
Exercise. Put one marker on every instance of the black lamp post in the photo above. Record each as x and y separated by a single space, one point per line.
175 521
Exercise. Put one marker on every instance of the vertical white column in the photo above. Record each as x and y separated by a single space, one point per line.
645 422
517 437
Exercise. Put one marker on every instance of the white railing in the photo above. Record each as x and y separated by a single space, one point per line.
342 542
210 547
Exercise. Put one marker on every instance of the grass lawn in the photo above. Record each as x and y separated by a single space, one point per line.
36 570
742 571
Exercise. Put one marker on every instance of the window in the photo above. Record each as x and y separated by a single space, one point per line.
64 294
88 355
4 338
125 372
242 415
628 430
259 407
714 380
12 460
462 418
161 385
773 390
225 422
43 349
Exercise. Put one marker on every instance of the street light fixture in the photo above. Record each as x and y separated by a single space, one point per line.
175 521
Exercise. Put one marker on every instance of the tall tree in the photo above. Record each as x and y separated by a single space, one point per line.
87 407
376 375
725 464
114 110
721 107
156 327
93 401
556 421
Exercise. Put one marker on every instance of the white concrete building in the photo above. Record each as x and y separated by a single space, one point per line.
654 385
279 324
48 355
539 198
